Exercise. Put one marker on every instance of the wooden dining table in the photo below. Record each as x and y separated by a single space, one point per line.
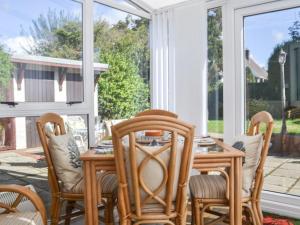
212 157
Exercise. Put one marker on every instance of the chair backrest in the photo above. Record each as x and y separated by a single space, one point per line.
57 123
158 112
135 192
256 121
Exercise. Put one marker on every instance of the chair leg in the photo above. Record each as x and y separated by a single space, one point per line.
249 209
260 215
55 210
193 212
255 214
69 209
181 219
196 212
109 211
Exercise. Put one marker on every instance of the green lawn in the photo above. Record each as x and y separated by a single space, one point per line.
293 126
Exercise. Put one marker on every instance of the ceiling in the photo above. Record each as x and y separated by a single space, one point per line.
157 4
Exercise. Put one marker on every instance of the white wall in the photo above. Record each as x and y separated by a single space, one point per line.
190 65
21 141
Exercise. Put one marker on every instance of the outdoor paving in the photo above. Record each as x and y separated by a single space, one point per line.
282 174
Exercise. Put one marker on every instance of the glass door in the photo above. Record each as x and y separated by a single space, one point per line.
270 81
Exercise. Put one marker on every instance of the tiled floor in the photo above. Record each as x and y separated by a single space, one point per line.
282 174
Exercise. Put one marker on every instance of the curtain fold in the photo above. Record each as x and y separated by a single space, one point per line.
163 60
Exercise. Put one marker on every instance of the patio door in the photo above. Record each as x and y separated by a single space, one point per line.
268 78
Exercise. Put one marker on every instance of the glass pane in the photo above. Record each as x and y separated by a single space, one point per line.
272 84
215 72
41 51
121 41
20 133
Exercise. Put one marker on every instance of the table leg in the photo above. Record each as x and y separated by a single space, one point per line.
238 191
231 193
90 202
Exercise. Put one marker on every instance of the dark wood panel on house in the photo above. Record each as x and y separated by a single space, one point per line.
32 137
8 134
74 87
39 86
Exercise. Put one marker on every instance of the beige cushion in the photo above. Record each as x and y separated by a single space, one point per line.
65 157
252 148
107 181
153 173
21 218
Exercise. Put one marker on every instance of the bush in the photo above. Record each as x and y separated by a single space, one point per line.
256 105
122 92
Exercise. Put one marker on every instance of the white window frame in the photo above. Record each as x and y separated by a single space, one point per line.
24 109
87 106
279 203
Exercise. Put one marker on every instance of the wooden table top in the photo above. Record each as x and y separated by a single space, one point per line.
227 152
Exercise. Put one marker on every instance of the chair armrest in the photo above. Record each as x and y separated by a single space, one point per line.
31 195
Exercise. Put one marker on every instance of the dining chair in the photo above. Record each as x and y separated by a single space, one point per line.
153 180
52 124
212 190
159 112
21 205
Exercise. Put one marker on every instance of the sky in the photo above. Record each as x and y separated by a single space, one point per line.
263 32
20 13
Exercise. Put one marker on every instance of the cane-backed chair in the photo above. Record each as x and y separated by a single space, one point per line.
158 112
211 190
107 181
21 205
139 200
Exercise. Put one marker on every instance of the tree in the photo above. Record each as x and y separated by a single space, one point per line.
124 46
124 89
122 92
129 37
6 68
214 53
294 30
56 35
215 64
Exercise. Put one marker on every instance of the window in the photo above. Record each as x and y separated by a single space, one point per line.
272 85
121 41
20 132
215 71
41 51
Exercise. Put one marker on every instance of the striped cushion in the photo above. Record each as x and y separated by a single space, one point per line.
107 181
21 218
208 186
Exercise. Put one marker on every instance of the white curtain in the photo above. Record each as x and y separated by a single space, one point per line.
163 60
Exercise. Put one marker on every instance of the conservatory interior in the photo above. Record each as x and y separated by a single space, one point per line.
150 111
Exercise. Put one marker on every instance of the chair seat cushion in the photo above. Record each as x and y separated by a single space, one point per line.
21 218
206 186
107 181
